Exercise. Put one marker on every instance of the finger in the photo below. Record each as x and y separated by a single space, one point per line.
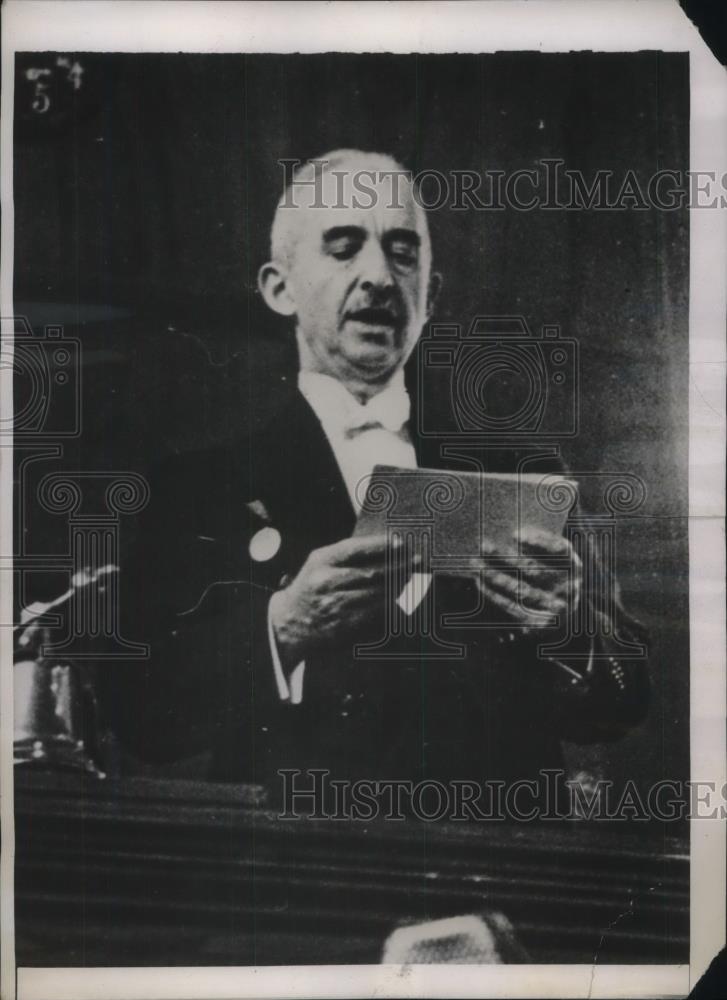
537 540
382 577
345 578
362 551
548 577
337 611
365 603
515 611
490 548
352 550
532 570
557 595
511 555
528 597
534 540
358 597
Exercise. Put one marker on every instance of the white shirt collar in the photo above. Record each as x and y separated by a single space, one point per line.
339 411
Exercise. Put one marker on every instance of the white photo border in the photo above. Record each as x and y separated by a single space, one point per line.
401 27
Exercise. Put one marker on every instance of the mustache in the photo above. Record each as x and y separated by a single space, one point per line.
375 311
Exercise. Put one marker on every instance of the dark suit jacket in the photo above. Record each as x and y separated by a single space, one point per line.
193 592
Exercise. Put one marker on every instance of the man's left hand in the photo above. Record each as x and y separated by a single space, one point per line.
533 583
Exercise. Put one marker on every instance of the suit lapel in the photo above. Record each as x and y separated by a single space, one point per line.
293 471
296 475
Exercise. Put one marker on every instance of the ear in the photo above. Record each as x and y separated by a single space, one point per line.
435 287
272 280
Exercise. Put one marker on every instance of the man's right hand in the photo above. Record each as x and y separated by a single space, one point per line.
337 594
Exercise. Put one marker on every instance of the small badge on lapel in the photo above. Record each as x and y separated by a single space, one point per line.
265 544
258 508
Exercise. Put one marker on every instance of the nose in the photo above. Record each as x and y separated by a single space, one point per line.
375 273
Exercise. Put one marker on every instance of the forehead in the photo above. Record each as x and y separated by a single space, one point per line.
368 198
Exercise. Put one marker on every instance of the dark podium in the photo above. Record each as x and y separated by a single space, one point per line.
150 872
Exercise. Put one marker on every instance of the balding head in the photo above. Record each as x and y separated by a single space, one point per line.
343 179
351 261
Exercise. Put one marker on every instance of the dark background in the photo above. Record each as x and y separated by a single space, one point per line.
143 202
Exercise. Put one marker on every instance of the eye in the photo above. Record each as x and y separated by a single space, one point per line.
404 254
344 247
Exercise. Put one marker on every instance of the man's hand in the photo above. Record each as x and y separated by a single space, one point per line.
338 592
536 585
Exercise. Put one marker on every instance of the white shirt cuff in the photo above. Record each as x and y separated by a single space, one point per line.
290 689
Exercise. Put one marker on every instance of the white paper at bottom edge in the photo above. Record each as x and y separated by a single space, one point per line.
619 981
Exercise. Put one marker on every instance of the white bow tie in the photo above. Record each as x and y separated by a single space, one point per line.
390 410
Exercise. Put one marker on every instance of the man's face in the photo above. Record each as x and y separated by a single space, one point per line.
358 275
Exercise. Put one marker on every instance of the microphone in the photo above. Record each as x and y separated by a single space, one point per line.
54 707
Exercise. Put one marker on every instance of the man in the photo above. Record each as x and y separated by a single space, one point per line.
254 593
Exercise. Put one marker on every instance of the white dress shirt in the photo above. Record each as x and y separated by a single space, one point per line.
361 436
